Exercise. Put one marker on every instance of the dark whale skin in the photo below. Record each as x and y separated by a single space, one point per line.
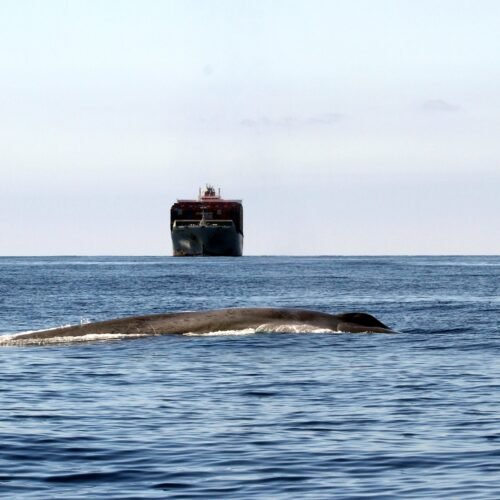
217 320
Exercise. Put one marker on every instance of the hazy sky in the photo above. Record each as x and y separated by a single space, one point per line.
347 127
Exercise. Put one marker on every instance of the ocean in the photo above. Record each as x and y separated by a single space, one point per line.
253 415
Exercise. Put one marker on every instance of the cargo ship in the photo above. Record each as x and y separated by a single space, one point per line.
209 225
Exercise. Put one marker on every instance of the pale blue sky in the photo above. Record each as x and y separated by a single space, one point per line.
347 127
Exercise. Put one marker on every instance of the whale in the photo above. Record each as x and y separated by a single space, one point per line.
203 322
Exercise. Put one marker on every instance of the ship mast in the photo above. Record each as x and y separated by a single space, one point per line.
208 193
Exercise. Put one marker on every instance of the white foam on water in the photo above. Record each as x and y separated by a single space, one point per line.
292 328
265 328
221 333
18 340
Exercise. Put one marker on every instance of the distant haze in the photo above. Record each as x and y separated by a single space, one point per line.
347 127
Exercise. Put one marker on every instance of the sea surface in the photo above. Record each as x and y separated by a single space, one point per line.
253 415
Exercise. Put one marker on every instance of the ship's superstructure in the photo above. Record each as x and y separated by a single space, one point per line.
209 225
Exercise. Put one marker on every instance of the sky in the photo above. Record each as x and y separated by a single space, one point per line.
347 127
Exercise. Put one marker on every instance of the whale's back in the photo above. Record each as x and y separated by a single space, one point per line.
361 319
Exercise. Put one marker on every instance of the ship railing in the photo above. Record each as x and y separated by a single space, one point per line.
205 222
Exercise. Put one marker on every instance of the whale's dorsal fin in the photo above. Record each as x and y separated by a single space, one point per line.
362 319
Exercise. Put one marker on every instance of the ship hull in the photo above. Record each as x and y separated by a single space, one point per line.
206 241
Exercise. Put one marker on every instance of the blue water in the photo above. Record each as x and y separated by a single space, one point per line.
266 415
